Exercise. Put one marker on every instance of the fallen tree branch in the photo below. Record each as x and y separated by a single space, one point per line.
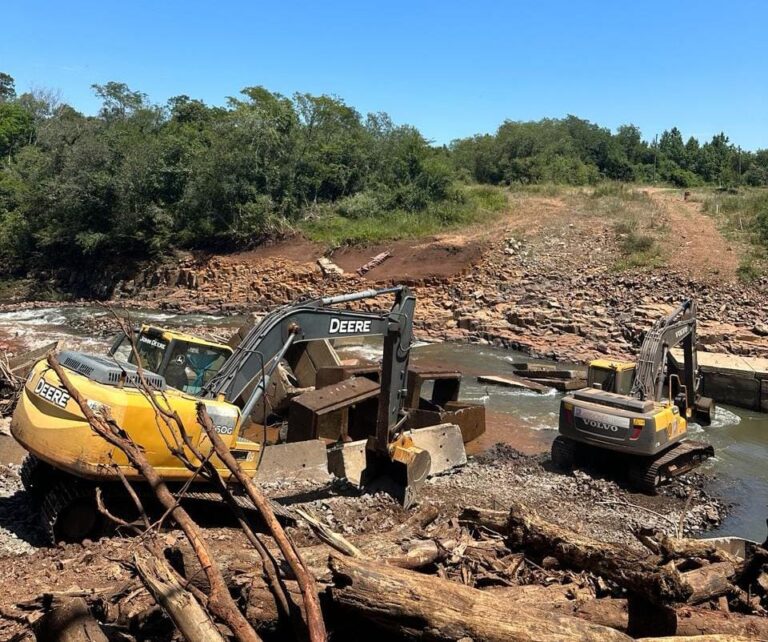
334 540
192 621
220 601
315 623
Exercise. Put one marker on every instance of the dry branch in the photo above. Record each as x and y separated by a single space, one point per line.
190 618
315 623
220 602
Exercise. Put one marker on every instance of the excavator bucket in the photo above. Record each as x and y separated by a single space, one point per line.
416 456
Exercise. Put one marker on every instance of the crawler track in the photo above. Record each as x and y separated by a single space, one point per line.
678 460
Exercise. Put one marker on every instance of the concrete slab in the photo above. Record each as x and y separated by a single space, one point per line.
444 443
513 381
301 460
733 379
348 461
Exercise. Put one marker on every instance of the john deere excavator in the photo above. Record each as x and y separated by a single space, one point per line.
640 411
68 460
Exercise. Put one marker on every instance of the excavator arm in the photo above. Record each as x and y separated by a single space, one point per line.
677 328
257 356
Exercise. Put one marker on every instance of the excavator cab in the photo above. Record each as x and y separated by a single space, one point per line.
611 376
186 362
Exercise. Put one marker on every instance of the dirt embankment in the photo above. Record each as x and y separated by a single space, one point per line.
543 279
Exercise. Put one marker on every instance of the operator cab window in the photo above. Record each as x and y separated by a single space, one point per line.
151 351
191 366
605 377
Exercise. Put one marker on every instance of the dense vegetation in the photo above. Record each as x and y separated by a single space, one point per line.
576 152
94 195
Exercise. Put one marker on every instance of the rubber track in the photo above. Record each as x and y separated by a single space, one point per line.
29 467
563 453
680 451
62 494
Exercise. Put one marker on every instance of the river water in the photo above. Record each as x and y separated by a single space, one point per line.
526 420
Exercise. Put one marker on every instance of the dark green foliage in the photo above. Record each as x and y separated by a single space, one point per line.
573 151
96 195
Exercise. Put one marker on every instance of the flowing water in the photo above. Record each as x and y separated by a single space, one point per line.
524 419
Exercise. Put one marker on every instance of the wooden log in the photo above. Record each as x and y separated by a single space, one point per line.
692 621
192 621
709 582
615 613
495 520
425 607
676 548
659 585
263 613
69 620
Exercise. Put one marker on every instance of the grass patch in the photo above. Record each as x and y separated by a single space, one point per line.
472 205
638 248
551 190
741 213
742 216
620 191
638 222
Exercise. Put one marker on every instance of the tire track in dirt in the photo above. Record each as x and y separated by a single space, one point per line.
693 244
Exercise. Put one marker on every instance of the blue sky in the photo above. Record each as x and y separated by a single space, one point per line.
452 69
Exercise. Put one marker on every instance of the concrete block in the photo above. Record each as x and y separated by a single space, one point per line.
444 444
739 391
348 460
302 460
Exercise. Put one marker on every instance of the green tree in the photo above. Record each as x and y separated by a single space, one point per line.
16 128
671 145
7 88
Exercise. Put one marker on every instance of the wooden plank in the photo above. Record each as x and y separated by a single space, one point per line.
513 381
21 364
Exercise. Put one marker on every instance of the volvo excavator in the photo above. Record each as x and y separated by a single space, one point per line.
640 411
68 460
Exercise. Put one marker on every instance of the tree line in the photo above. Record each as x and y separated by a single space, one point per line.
95 194
576 152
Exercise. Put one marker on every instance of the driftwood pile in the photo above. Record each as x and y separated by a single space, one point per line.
487 575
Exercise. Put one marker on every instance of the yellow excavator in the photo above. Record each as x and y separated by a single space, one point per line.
639 412
68 460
